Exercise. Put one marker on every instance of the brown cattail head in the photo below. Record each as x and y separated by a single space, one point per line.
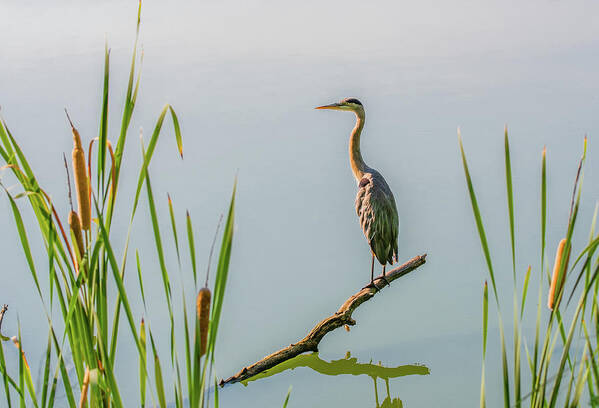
554 290
75 225
81 180
203 312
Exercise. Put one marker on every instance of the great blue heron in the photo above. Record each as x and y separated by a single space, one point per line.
375 204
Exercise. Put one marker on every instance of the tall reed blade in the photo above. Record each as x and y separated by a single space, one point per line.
510 199
222 273
174 227
485 325
158 375
192 250
524 291
510 203
543 207
142 364
477 217
287 397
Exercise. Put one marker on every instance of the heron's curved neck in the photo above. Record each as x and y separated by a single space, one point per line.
355 156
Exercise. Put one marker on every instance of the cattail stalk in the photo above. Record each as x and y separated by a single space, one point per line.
554 290
84 388
81 179
203 313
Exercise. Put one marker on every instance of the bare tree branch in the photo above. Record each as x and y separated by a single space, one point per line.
342 317
2 311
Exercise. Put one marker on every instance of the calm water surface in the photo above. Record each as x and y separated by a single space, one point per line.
243 78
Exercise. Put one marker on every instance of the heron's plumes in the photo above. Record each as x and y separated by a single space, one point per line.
203 315
554 290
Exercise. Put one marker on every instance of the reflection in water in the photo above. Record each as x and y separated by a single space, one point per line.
349 365
387 402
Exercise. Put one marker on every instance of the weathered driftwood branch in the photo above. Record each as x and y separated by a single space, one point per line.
342 317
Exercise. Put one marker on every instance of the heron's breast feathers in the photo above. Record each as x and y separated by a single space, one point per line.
378 216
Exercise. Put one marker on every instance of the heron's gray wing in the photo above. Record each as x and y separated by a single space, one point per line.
378 216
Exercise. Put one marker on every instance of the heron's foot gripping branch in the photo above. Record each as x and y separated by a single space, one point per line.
342 317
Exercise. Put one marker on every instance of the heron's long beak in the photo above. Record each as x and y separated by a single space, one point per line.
335 106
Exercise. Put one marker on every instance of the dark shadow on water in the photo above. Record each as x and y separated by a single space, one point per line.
349 365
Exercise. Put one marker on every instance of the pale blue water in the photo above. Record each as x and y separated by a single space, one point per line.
243 78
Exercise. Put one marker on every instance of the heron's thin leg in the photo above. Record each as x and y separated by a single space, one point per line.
384 278
371 284
372 271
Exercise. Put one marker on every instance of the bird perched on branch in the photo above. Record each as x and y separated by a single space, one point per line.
375 204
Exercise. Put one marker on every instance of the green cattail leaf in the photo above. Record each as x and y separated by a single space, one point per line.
7 379
593 361
159 247
510 199
109 374
582 377
589 251
130 100
478 218
222 273
543 207
25 372
142 365
485 317
158 375
192 250
188 364
174 228
525 291
117 277
46 370
177 128
504 366
517 351
102 136
565 354
139 277
485 328
287 397
151 147
24 241
21 373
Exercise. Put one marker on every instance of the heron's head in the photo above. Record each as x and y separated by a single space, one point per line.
347 104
